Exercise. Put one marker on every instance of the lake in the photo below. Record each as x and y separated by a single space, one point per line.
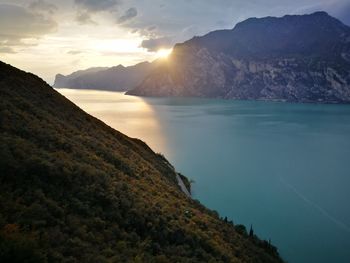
284 168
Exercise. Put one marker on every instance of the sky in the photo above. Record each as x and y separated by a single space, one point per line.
47 37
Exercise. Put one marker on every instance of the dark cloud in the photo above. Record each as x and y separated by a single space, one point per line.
97 5
128 14
155 44
18 23
151 28
43 6
89 7
84 18
143 30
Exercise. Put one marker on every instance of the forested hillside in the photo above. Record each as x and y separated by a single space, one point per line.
73 189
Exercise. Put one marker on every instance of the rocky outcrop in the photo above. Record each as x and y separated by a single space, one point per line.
293 58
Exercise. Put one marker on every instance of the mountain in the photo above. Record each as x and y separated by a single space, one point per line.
299 58
72 189
62 81
117 78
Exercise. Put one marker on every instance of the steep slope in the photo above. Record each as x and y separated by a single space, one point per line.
73 189
294 58
117 78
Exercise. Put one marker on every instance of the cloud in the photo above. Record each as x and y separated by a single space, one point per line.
84 18
151 28
343 14
339 9
342 11
43 6
143 30
74 52
117 54
154 44
89 7
7 50
97 5
158 21
18 23
128 14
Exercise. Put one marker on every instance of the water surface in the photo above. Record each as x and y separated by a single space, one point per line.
285 168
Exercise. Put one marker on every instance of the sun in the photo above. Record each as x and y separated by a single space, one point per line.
163 53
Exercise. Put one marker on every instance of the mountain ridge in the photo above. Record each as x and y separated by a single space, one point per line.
116 78
295 58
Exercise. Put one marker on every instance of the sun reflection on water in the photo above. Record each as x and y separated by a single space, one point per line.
127 114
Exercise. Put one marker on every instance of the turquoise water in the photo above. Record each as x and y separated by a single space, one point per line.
285 168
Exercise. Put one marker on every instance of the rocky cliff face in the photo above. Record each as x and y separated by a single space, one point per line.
293 58
117 78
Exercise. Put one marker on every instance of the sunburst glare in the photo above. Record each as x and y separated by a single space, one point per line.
163 53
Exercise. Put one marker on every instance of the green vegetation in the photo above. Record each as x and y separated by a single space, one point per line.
73 189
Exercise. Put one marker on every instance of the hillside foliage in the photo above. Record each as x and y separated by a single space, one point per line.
73 189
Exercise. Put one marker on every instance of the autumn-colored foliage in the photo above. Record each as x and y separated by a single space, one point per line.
73 189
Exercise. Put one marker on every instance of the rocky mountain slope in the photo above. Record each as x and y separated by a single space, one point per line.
117 78
73 189
62 80
293 58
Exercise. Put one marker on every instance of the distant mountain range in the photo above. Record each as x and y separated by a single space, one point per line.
296 58
117 78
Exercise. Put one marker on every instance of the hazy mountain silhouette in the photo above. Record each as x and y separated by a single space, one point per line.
118 78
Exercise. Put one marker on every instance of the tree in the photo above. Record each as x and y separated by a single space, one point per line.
251 231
